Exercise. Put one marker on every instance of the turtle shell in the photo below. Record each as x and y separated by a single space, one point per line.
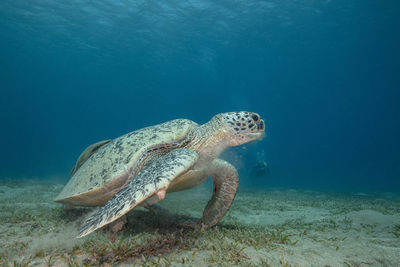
115 163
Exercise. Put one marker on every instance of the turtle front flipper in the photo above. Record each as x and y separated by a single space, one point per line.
226 181
152 180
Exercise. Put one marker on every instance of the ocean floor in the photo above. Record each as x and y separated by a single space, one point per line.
262 228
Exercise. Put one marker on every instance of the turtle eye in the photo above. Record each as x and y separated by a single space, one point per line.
255 117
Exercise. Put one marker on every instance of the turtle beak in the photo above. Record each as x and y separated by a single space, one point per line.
261 125
260 132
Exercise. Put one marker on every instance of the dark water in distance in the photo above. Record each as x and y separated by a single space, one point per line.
323 74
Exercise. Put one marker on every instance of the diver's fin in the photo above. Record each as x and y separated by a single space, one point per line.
152 180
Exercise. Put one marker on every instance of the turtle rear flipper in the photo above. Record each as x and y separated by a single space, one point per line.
151 180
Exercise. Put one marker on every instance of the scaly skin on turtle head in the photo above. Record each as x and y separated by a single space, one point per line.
242 127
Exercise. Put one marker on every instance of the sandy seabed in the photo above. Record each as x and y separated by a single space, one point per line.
262 228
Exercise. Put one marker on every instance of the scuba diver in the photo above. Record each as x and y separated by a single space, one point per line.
261 168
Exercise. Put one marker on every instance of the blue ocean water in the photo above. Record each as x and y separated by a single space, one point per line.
324 75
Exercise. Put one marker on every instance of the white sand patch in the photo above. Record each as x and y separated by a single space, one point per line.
372 217
63 240
280 217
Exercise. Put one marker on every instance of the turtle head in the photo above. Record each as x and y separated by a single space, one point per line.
225 130
242 127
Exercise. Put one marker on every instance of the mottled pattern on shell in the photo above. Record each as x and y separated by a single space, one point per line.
119 157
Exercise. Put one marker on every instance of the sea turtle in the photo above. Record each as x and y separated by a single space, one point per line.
140 167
